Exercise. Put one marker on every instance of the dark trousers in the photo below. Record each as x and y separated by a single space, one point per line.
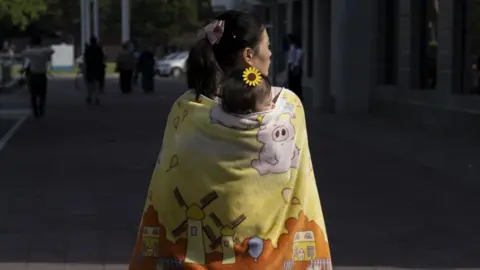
295 82
101 80
126 77
148 82
37 84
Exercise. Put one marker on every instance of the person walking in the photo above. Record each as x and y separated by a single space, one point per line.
126 66
38 58
94 69
229 190
146 67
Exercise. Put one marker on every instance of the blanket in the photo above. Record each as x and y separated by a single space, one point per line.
233 192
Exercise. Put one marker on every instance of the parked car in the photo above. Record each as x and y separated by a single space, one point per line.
172 65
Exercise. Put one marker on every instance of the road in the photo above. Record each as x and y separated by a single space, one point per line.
73 184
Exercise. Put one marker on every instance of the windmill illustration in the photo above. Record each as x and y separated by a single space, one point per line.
226 238
193 225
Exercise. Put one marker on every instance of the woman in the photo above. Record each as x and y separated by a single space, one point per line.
93 59
232 191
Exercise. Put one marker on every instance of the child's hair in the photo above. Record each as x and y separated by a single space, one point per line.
238 97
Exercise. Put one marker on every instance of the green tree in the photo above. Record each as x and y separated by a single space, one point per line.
22 12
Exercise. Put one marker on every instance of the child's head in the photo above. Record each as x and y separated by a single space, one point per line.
246 91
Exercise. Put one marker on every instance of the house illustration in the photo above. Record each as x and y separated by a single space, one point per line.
304 246
150 241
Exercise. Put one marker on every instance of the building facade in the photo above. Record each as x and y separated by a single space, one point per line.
418 59
222 5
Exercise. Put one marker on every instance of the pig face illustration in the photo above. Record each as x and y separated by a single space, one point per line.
281 134
279 152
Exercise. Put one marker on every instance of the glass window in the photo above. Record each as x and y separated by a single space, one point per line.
297 18
388 42
310 251
282 33
428 42
467 31
310 34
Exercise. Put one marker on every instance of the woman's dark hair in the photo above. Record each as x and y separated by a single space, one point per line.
207 63
240 98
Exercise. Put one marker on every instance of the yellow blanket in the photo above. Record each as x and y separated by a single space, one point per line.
233 192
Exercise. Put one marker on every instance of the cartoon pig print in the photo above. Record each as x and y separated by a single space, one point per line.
279 152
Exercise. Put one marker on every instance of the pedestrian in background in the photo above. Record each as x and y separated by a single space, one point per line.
126 63
146 67
94 69
38 58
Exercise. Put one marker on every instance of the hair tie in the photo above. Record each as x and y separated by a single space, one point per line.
213 31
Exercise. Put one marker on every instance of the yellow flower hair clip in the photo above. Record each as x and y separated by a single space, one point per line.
251 76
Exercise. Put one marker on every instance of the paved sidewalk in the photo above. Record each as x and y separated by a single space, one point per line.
72 186
395 195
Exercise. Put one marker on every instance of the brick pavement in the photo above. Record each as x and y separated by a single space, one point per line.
73 184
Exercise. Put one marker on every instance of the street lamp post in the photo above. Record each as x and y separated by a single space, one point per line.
125 20
88 19
96 19
82 22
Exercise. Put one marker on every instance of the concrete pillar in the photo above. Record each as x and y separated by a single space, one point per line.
381 38
404 46
468 46
352 46
289 16
304 20
321 55
96 19
88 20
276 44
297 15
417 32
445 52
125 20
82 24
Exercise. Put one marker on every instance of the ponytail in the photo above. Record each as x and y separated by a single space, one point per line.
207 64
203 71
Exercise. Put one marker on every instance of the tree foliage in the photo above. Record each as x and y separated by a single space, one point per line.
154 19
22 12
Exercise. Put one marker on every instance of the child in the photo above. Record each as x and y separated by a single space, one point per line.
246 91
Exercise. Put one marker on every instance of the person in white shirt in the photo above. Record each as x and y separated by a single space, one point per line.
295 55
39 58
